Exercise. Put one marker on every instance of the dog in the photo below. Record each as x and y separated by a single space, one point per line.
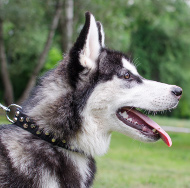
70 115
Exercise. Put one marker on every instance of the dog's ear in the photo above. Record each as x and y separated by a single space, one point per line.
87 47
101 34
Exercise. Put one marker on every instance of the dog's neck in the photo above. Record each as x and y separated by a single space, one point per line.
92 143
89 141
23 121
93 137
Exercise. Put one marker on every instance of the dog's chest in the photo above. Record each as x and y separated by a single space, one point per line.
35 163
85 169
75 170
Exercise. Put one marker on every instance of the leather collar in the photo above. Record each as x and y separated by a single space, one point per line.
23 121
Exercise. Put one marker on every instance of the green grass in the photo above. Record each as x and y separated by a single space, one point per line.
3 119
133 164
173 122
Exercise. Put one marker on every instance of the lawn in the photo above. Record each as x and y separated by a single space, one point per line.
173 122
132 164
3 118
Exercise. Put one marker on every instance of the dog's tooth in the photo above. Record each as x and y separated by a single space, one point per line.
130 119
125 115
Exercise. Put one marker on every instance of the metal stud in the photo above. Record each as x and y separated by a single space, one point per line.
47 133
32 126
64 141
25 125
21 119
38 132
15 119
53 140
17 113
27 119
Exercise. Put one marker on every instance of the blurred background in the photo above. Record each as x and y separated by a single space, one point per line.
155 34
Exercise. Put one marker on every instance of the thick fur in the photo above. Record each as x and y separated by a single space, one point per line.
77 101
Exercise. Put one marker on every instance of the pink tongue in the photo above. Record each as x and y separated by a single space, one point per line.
164 136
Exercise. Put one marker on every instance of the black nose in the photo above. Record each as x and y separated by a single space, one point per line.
177 91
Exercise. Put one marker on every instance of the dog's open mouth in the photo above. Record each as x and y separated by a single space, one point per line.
141 122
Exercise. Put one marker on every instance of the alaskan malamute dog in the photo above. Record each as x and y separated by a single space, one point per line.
70 115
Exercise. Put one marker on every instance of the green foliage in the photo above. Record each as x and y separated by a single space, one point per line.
155 35
25 31
113 16
161 43
54 56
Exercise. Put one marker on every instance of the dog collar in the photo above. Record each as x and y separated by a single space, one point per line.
23 121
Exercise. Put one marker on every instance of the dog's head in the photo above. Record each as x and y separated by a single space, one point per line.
112 89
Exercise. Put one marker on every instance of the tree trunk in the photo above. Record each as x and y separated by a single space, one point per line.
8 94
42 57
69 8
67 25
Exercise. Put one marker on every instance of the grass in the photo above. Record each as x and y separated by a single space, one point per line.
3 119
173 122
130 163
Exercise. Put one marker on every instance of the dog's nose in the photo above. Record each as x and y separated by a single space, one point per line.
177 91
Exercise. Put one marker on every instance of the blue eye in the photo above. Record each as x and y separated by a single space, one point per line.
126 75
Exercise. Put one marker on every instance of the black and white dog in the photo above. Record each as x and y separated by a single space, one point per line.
70 115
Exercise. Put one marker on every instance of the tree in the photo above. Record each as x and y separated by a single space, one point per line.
22 17
155 35
66 25
161 41
42 57
8 95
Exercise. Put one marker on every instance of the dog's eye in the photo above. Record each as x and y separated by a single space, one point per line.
127 75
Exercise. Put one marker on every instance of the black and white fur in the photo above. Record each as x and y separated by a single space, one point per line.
78 101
